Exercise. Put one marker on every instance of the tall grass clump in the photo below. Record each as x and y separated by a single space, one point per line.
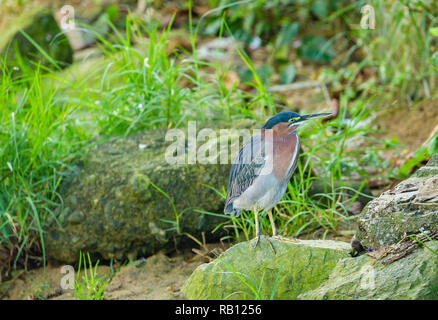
90 286
36 144
148 86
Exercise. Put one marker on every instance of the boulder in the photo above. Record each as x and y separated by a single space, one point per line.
313 269
415 277
113 210
409 208
242 272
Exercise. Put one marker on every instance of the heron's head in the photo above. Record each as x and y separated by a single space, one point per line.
293 118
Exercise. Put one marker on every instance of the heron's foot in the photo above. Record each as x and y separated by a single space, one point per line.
281 238
267 240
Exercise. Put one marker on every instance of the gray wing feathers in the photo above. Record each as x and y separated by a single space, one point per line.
245 169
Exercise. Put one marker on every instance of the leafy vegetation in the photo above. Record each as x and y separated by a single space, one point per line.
399 51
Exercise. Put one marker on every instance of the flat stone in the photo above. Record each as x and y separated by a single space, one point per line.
242 272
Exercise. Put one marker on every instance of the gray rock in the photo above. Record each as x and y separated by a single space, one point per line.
313 269
409 208
414 277
245 273
111 208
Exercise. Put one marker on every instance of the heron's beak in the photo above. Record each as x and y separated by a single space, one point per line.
309 116
315 115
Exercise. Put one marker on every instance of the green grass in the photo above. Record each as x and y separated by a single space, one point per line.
90 286
36 146
253 286
425 245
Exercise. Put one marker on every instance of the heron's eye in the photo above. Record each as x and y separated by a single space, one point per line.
291 120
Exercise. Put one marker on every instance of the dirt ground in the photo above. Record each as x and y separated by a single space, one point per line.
159 276
413 126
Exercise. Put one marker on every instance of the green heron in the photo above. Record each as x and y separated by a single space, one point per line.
263 167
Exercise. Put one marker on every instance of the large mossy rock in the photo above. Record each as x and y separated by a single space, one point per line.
313 269
414 277
243 273
40 25
112 209
409 208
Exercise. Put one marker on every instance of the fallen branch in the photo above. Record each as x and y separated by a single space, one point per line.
295 86
404 247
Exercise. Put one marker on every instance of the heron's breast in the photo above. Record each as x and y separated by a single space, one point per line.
285 154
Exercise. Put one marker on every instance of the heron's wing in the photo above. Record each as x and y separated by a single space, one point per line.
246 168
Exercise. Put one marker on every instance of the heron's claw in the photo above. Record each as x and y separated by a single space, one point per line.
267 240
281 238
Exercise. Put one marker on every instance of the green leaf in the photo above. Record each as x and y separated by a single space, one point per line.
245 75
112 12
434 31
419 156
433 145
287 75
316 48
434 59
213 27
264 72
287 32
320 8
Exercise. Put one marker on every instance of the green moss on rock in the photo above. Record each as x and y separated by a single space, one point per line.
112 210
299 267
409 208
413 277
313 269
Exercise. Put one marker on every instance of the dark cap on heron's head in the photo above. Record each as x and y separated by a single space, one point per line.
289 116
283 116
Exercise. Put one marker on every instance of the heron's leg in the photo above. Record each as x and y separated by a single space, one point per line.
275 232
274 228
257 227
258 233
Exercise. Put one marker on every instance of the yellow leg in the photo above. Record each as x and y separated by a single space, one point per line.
274 230
257 224
271 219
258 233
